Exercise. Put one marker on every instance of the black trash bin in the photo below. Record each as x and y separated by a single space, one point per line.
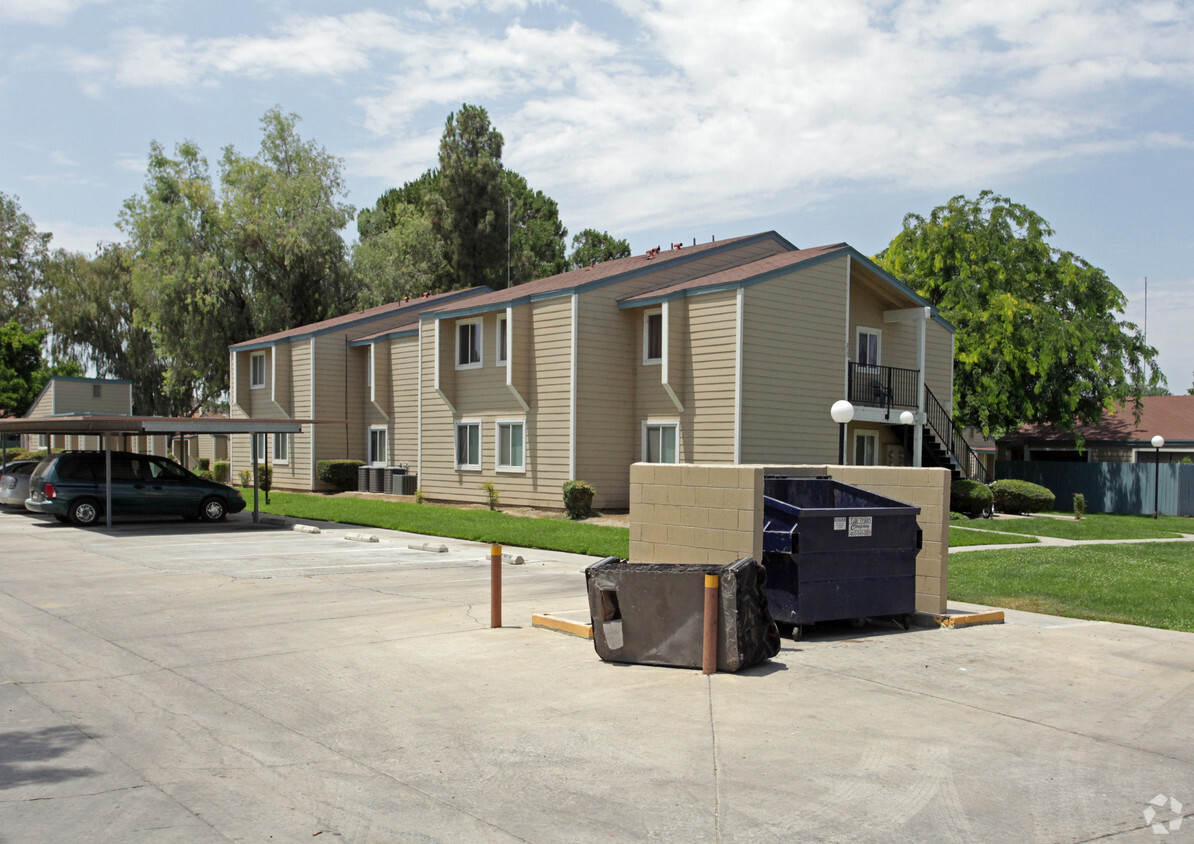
834 551
653 614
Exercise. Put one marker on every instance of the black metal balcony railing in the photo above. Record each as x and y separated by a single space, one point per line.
949 434
882 386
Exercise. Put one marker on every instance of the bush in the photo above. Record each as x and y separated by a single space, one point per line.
265 477
970 497
246 477
1079 505
203 464
206 474
1012 496
342 474
420 498
491 493
222 469
578 499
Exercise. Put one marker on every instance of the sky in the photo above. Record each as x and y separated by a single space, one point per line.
655 120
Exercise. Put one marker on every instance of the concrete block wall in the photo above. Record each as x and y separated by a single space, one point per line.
713 513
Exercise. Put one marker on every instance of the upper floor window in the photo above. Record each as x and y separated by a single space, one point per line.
468 344
97 391
653 336
257 370
868 347
503 339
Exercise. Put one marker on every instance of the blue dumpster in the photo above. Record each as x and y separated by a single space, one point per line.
834 551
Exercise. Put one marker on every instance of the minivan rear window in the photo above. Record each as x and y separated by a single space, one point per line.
75 470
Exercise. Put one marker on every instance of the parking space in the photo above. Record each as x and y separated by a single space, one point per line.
170 681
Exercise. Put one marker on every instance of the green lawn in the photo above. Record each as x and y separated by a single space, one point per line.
1096 526
482 525
960 537
1148 584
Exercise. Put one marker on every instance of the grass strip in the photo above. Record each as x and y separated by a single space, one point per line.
960 537
1150 584
481 525
1096 526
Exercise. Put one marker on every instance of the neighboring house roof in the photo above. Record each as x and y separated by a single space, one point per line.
1170 416
415 306
606 272
770 267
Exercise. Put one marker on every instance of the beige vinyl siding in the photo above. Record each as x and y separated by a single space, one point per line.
239 375
939 363
339 387
77 397
281 385
404 402
300 443
793 368
709 402
609 356
44 406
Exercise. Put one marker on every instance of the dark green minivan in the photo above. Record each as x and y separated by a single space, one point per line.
70 486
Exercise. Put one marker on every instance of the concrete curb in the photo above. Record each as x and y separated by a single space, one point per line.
361 537
557 622
306 529
958 619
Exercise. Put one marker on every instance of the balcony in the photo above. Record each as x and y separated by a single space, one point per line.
885 387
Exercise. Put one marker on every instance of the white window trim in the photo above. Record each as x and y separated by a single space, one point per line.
461 423
660 423
371 372
1149 452
497 445
480 343
501 350
865 434
264 447
286 438
253 356
647 314
861 330
369 445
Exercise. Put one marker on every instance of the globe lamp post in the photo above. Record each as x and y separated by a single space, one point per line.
1158 442
842 412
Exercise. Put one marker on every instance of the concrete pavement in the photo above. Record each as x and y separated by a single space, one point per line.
170 681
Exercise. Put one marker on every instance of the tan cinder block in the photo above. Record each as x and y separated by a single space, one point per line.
655 494
682 496
696 475
656 533
681 535
636 531
725 477
695 516
746 521
709 496
930 603
642 473
642 552
636 494
723 519
669 475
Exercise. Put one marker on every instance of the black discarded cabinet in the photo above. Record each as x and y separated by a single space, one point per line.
834 551
653 614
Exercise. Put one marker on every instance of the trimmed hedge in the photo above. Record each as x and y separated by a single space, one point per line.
578 499
203 463
970 497
222 470
1013 496
342 474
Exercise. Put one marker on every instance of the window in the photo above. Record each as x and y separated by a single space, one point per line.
468 444
43 440
868 347
256 370
866 448
659 442
503 340
653 336
511 439
97 391
377 446
262 444
468 344
281 448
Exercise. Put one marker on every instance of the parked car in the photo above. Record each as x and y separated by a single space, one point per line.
14 482
71 487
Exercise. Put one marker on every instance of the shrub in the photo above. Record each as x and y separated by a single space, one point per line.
955 516
970 497
1012 496
491 493
246 477
342 474
206 474
420 498
1187 461
578 499
221 469
203 464
1079 505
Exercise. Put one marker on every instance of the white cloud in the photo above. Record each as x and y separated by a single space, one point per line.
76 237
41 11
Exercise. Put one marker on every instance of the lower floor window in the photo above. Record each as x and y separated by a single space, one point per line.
659 442
468 444
282 448
510 441
866 448
377 446
262 441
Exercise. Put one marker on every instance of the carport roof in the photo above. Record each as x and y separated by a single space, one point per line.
152 425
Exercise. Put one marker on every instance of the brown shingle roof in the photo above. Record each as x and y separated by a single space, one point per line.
1170 416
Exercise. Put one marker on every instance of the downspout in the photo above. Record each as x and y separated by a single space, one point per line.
666 318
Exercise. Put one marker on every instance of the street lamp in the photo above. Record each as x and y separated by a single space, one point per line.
1158 442
842 412
907 418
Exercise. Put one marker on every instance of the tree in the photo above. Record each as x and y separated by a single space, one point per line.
404 260
23 252
468 211
1039 337
537 237
23 373
593 247
396 203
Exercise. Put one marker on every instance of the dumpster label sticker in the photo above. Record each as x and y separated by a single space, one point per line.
860 526
839 522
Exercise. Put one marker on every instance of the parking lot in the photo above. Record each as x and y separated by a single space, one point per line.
172 681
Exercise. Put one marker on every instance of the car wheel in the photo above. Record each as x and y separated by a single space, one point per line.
213 510
84 512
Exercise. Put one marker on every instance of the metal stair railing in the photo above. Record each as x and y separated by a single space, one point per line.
942 426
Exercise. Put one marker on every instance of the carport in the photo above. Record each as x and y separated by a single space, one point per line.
110 427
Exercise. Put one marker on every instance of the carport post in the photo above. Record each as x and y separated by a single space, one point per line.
253 460
108 479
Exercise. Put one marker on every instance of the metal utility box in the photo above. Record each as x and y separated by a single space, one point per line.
653 614
835 551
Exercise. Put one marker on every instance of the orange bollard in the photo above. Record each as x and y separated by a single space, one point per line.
495 586
709 655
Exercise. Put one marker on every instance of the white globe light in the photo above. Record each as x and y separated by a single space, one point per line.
1158 441
842 411
907 418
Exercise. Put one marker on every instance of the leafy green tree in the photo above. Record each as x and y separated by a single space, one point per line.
404 260
23 373
1039 338
537 237
396 203
593 247
23 251
468 211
